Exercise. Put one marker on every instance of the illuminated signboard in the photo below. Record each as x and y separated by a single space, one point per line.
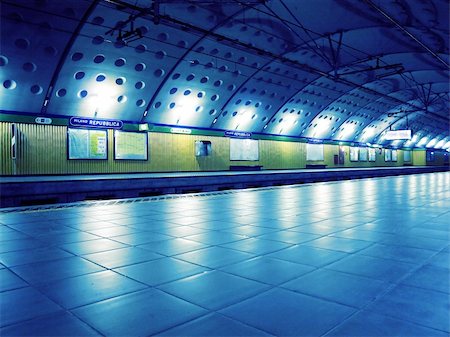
238 134
96 123
181 130
398 134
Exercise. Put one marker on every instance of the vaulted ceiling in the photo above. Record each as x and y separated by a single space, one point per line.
345 70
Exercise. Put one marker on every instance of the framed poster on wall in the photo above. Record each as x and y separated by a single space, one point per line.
87 144
394 155
244 149
314 152
130 145
354 154
372 154
363 154
387 155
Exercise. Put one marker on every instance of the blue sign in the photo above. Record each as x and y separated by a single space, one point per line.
96 123
238 134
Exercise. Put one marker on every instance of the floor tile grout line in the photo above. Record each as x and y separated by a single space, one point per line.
356 239
219 314
383 293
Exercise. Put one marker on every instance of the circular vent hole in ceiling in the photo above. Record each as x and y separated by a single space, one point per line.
100 78
29 67
119 44
160 54
61 92
120 62
98 20
77 56
120 80
182 44
22 43
36 89
139 85
9 84
163 36
158 72
140 103
142 48
98 40
122 99
99 58
82 94
140 67
3 61
51 51
79 75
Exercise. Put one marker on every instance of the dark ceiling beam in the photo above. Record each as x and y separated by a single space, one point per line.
403 29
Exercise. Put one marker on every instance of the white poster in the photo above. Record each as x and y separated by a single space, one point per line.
394 155
314 151
363 154
244 149
354 154
387 154
372 154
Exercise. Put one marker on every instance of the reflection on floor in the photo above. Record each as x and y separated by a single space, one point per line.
355 258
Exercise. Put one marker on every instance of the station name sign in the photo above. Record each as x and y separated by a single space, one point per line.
43 120
238 134
181 130
398 134
96 123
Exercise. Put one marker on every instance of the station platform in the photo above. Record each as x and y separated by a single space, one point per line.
365 257
32 190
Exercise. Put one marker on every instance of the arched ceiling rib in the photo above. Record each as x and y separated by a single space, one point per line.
330 69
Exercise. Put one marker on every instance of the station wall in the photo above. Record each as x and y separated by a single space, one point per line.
42 149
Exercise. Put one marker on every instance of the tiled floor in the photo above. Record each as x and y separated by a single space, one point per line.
354 258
